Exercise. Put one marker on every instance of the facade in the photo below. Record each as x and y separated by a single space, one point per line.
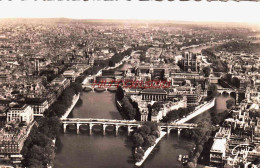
220 146
167 107
61 81
218 151
70 74
11 144
153 95
38 106
189 61
21 113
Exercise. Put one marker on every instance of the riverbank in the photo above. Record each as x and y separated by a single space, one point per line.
198 110
150 149
74 101
126 58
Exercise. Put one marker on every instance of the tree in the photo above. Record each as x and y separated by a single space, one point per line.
230 103
77 87
144 130
138 157
119 93
206 71
128 108
111 63
50 126
59 109
149 141
214 90
142 57
228 78
138 139
235 82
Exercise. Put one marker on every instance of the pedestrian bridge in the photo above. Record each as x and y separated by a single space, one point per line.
129 124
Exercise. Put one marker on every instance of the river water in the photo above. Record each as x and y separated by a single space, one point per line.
98 151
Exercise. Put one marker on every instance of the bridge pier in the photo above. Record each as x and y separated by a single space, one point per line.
104 129
168 131
65 128
179 132
78 125
128 130
116 129
90 129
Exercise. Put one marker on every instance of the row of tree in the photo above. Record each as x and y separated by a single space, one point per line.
177 114
218 65
64 101
202 135
233 81
145 137
128 109
39 150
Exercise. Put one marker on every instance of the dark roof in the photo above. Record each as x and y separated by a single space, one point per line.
158 91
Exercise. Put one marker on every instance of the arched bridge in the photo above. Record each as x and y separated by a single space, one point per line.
120 123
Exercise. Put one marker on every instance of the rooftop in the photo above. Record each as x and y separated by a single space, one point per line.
219 145
161 91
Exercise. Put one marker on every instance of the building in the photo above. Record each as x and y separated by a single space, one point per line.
38 106
167 107
153 95
11 144
219 147
70 74
21 113
189 61
61 81
218 151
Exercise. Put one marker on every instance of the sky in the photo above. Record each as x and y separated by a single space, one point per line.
215 11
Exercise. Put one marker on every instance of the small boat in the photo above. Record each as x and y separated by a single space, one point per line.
185 159
87 89
180 158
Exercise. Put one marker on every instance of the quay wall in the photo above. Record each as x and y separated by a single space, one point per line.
200 109
74 101
150 149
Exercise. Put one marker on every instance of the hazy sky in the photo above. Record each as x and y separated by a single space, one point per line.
184 11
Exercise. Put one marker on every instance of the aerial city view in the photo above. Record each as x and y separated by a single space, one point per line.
114 93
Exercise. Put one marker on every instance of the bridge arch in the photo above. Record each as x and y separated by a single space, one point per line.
225 94
84 128
110 128
234 95
96 128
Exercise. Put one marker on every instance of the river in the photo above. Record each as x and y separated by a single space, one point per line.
97 151
198 49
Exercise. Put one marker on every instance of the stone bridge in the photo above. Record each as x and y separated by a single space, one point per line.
129 124
101 87
230 92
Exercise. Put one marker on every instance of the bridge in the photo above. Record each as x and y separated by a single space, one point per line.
129 124
227 90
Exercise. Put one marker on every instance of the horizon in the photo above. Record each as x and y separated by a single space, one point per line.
165 11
